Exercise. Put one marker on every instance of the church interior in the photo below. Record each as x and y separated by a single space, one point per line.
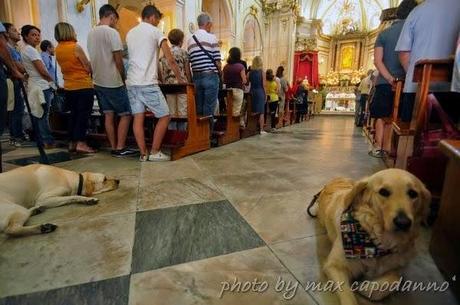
227 222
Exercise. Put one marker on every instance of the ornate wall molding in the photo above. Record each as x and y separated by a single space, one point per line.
269 7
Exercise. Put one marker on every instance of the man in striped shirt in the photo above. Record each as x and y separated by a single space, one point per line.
205 71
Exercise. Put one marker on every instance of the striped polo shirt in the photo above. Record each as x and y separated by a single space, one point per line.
199 61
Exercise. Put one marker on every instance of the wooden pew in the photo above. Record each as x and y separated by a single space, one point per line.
180 142
197 136
268 118
252 119
368 125
396 137
227 128
425 72
444 246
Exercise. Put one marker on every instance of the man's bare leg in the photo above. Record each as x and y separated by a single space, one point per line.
159 133
138 129
123 127
109 124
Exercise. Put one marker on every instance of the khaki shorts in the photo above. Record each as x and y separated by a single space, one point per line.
177 104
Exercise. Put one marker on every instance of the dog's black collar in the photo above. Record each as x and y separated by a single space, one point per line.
80 185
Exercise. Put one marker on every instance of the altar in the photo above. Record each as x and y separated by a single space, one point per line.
340 102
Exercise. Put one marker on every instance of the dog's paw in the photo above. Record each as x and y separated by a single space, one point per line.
92 201
37 210
48 228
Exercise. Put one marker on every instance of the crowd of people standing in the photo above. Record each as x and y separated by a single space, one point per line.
125 90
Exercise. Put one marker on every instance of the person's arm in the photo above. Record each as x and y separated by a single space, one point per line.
406 40
20 67
118 58
38 64
188 72
243 76
7 59
171 61
160 71
83 59
378 62
404 59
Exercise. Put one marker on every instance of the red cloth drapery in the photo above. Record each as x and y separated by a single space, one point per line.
306 64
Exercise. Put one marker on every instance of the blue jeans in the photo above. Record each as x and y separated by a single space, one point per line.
43 123
16 115
206 90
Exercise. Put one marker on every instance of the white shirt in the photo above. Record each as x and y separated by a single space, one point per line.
198 59
29 55
102 42
430 32
144 42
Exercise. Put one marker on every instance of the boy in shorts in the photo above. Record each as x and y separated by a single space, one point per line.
144 42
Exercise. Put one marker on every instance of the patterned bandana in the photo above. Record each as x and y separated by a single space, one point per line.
356 241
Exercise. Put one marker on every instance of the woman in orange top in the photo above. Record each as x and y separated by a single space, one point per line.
79 93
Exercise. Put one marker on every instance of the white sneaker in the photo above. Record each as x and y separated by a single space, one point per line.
159 157
262 132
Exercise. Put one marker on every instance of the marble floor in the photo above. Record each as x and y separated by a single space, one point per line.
201 230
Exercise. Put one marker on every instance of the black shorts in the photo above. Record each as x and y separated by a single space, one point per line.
382 103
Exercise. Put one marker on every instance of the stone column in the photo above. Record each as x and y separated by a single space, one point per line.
280 34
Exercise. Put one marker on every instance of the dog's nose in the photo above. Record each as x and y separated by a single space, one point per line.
402 222
117 181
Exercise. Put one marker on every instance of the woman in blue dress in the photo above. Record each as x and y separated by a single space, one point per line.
256 79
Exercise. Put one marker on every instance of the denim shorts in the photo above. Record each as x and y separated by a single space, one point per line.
150 97
113 100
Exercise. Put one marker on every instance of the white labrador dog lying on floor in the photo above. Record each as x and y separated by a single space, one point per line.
372 224
29 190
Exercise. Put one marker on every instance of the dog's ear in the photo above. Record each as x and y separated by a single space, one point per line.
358 188
425 202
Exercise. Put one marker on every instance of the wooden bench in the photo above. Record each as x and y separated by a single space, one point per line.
397 136
197 136
252 119
227 127
425 72
444 246
181 143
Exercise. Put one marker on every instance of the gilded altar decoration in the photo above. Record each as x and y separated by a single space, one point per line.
342 79
347 57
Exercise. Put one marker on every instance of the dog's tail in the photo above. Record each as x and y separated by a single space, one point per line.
312 203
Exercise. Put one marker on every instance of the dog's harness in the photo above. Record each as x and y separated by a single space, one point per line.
80 184
357 243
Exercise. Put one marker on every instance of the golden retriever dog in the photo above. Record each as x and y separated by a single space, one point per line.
28 190
387 208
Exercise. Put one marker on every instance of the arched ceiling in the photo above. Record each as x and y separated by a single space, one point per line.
342 16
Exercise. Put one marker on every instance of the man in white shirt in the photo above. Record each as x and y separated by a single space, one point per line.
105 53
144 43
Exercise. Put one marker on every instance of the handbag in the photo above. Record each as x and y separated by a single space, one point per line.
58 102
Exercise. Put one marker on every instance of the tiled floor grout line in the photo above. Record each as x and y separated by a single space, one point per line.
293 275
296 239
